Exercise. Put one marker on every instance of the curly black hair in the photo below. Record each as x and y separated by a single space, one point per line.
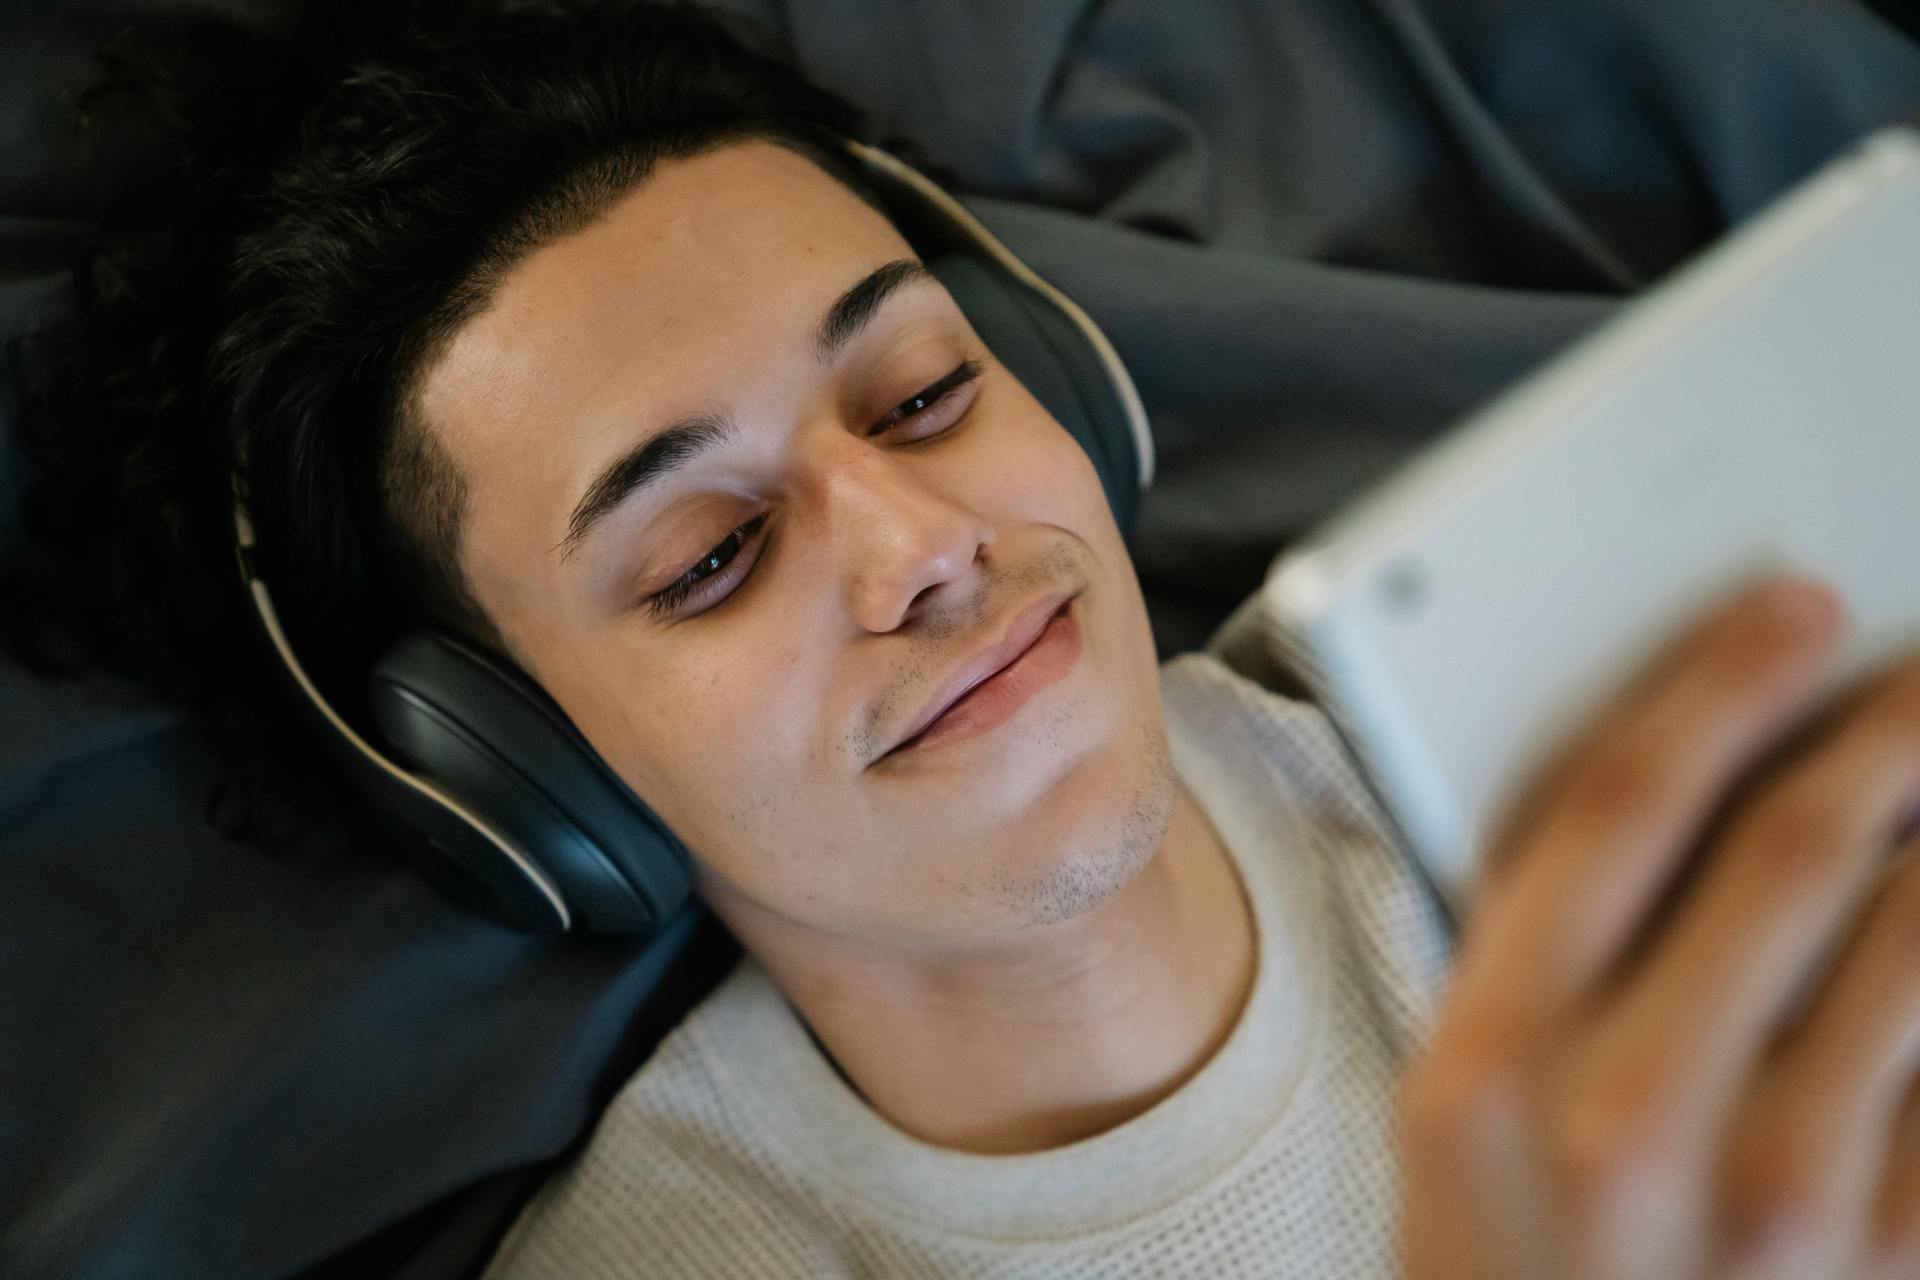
341 194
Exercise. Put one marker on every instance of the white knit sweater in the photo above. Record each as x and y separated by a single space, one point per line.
737 1152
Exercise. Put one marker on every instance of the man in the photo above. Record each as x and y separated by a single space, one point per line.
1005 919
1058 962
517 245
1010 925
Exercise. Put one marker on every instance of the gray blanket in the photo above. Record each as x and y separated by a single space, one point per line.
1317 231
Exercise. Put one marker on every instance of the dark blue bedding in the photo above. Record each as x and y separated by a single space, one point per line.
1317 231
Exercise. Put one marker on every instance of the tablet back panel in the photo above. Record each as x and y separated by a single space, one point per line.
1759 410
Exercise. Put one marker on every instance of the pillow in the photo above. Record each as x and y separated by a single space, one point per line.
218 1061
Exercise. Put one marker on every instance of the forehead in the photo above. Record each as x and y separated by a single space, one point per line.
698 291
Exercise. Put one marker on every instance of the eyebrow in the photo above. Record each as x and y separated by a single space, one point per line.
688 438
852 310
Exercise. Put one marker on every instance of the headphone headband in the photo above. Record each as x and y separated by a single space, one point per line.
390 787
961 223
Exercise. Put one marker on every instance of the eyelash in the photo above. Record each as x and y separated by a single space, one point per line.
669 598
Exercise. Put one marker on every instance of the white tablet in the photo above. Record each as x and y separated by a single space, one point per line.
1758 410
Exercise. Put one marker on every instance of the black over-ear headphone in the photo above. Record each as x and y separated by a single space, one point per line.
489 786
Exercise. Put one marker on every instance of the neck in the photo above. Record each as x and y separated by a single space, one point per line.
1078 1030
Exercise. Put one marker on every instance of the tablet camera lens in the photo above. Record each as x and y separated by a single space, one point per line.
1404 586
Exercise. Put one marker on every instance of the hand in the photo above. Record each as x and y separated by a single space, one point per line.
1613 1090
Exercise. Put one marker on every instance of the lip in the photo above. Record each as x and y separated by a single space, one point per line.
1020 635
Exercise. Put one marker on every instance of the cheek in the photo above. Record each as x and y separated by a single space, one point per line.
1046 476
1057 483
727 751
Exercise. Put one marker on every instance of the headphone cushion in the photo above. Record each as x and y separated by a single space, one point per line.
487 732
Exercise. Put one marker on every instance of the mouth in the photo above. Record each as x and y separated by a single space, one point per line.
1040 645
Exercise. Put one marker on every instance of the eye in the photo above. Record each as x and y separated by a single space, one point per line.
937 403
932 401
668 599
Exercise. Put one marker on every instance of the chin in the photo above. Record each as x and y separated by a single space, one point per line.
1091 834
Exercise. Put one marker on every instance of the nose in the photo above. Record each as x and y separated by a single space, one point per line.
904 543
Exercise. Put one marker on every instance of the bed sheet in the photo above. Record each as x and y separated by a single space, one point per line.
1317 231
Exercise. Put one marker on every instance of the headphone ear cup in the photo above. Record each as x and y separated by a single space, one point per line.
1050 356
481 729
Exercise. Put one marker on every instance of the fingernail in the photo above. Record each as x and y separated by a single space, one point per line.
1800 603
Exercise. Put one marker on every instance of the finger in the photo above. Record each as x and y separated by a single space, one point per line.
1895 1252
1715 983
1807 1153
1476 1203
1860 1034
1611 821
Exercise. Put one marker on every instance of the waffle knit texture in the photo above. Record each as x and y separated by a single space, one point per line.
736 1151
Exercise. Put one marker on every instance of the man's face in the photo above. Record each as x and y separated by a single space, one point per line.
855 552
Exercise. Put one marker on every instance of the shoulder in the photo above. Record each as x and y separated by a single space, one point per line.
676 1179
1276 766
1203 675
1219 718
